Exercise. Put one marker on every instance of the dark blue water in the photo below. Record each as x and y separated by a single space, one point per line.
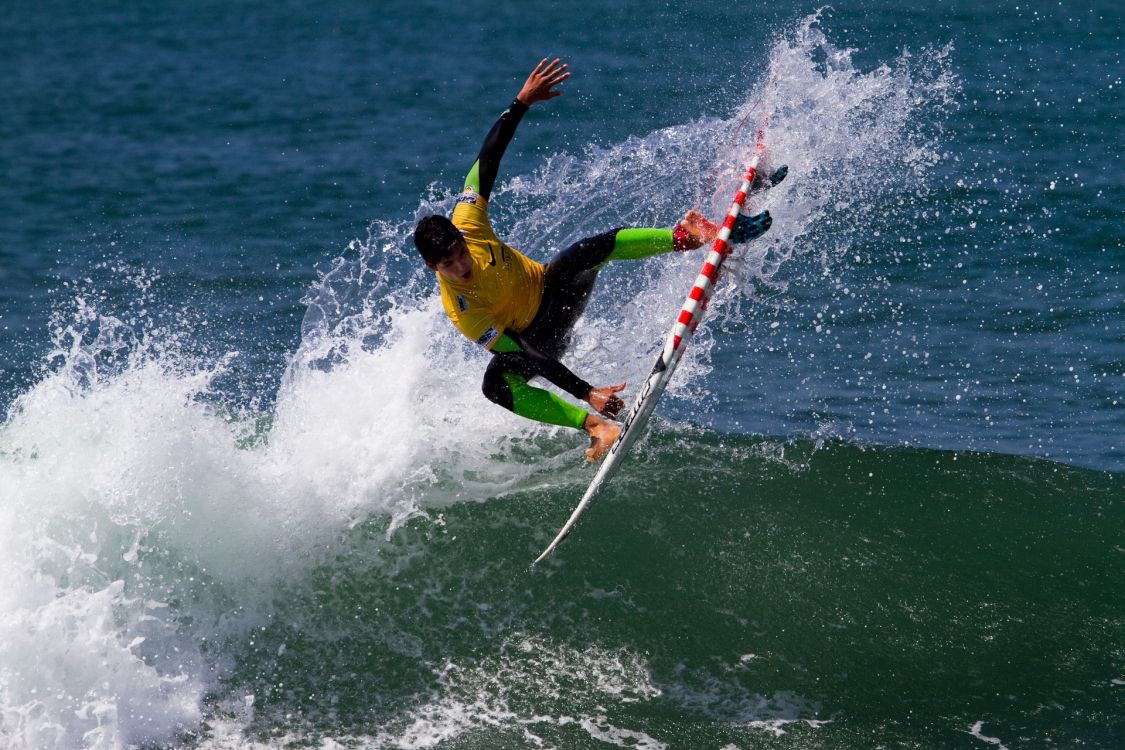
880 505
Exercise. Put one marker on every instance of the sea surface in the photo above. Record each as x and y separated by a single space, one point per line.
251 495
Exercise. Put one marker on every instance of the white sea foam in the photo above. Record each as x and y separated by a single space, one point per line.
126 491
975 731
534 672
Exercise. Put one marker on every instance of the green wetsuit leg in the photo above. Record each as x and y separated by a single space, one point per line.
505 383
638 243
542 406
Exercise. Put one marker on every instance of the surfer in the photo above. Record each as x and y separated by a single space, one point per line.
523 311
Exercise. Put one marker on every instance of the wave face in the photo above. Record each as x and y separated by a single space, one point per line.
841 530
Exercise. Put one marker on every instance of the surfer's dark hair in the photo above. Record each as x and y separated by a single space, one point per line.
433 237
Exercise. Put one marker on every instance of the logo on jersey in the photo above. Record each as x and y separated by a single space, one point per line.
462 303
488 337
469 196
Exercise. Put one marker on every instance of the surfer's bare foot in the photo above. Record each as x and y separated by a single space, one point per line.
694 230
602 434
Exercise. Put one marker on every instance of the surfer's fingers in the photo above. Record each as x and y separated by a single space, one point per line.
550 69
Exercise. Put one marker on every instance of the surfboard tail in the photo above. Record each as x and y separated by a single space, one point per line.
631 427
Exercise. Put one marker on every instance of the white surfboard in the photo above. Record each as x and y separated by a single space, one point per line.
686 322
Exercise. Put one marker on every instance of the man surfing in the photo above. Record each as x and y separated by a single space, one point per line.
523 311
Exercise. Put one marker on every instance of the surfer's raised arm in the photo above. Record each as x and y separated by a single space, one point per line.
540 86
523 312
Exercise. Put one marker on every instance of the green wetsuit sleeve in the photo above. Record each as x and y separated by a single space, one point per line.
505 344
472 179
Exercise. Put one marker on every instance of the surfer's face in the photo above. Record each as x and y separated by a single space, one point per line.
457 266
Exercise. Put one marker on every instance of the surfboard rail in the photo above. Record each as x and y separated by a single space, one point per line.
691 313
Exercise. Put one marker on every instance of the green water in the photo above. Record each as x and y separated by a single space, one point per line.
744 595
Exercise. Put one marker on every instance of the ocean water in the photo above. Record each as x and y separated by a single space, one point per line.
251 496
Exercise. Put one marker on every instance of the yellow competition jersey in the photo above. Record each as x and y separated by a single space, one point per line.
506 287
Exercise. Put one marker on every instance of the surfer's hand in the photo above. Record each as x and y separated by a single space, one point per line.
747 228
605 400
540 84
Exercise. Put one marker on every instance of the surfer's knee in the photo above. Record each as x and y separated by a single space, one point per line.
495 387
585 254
